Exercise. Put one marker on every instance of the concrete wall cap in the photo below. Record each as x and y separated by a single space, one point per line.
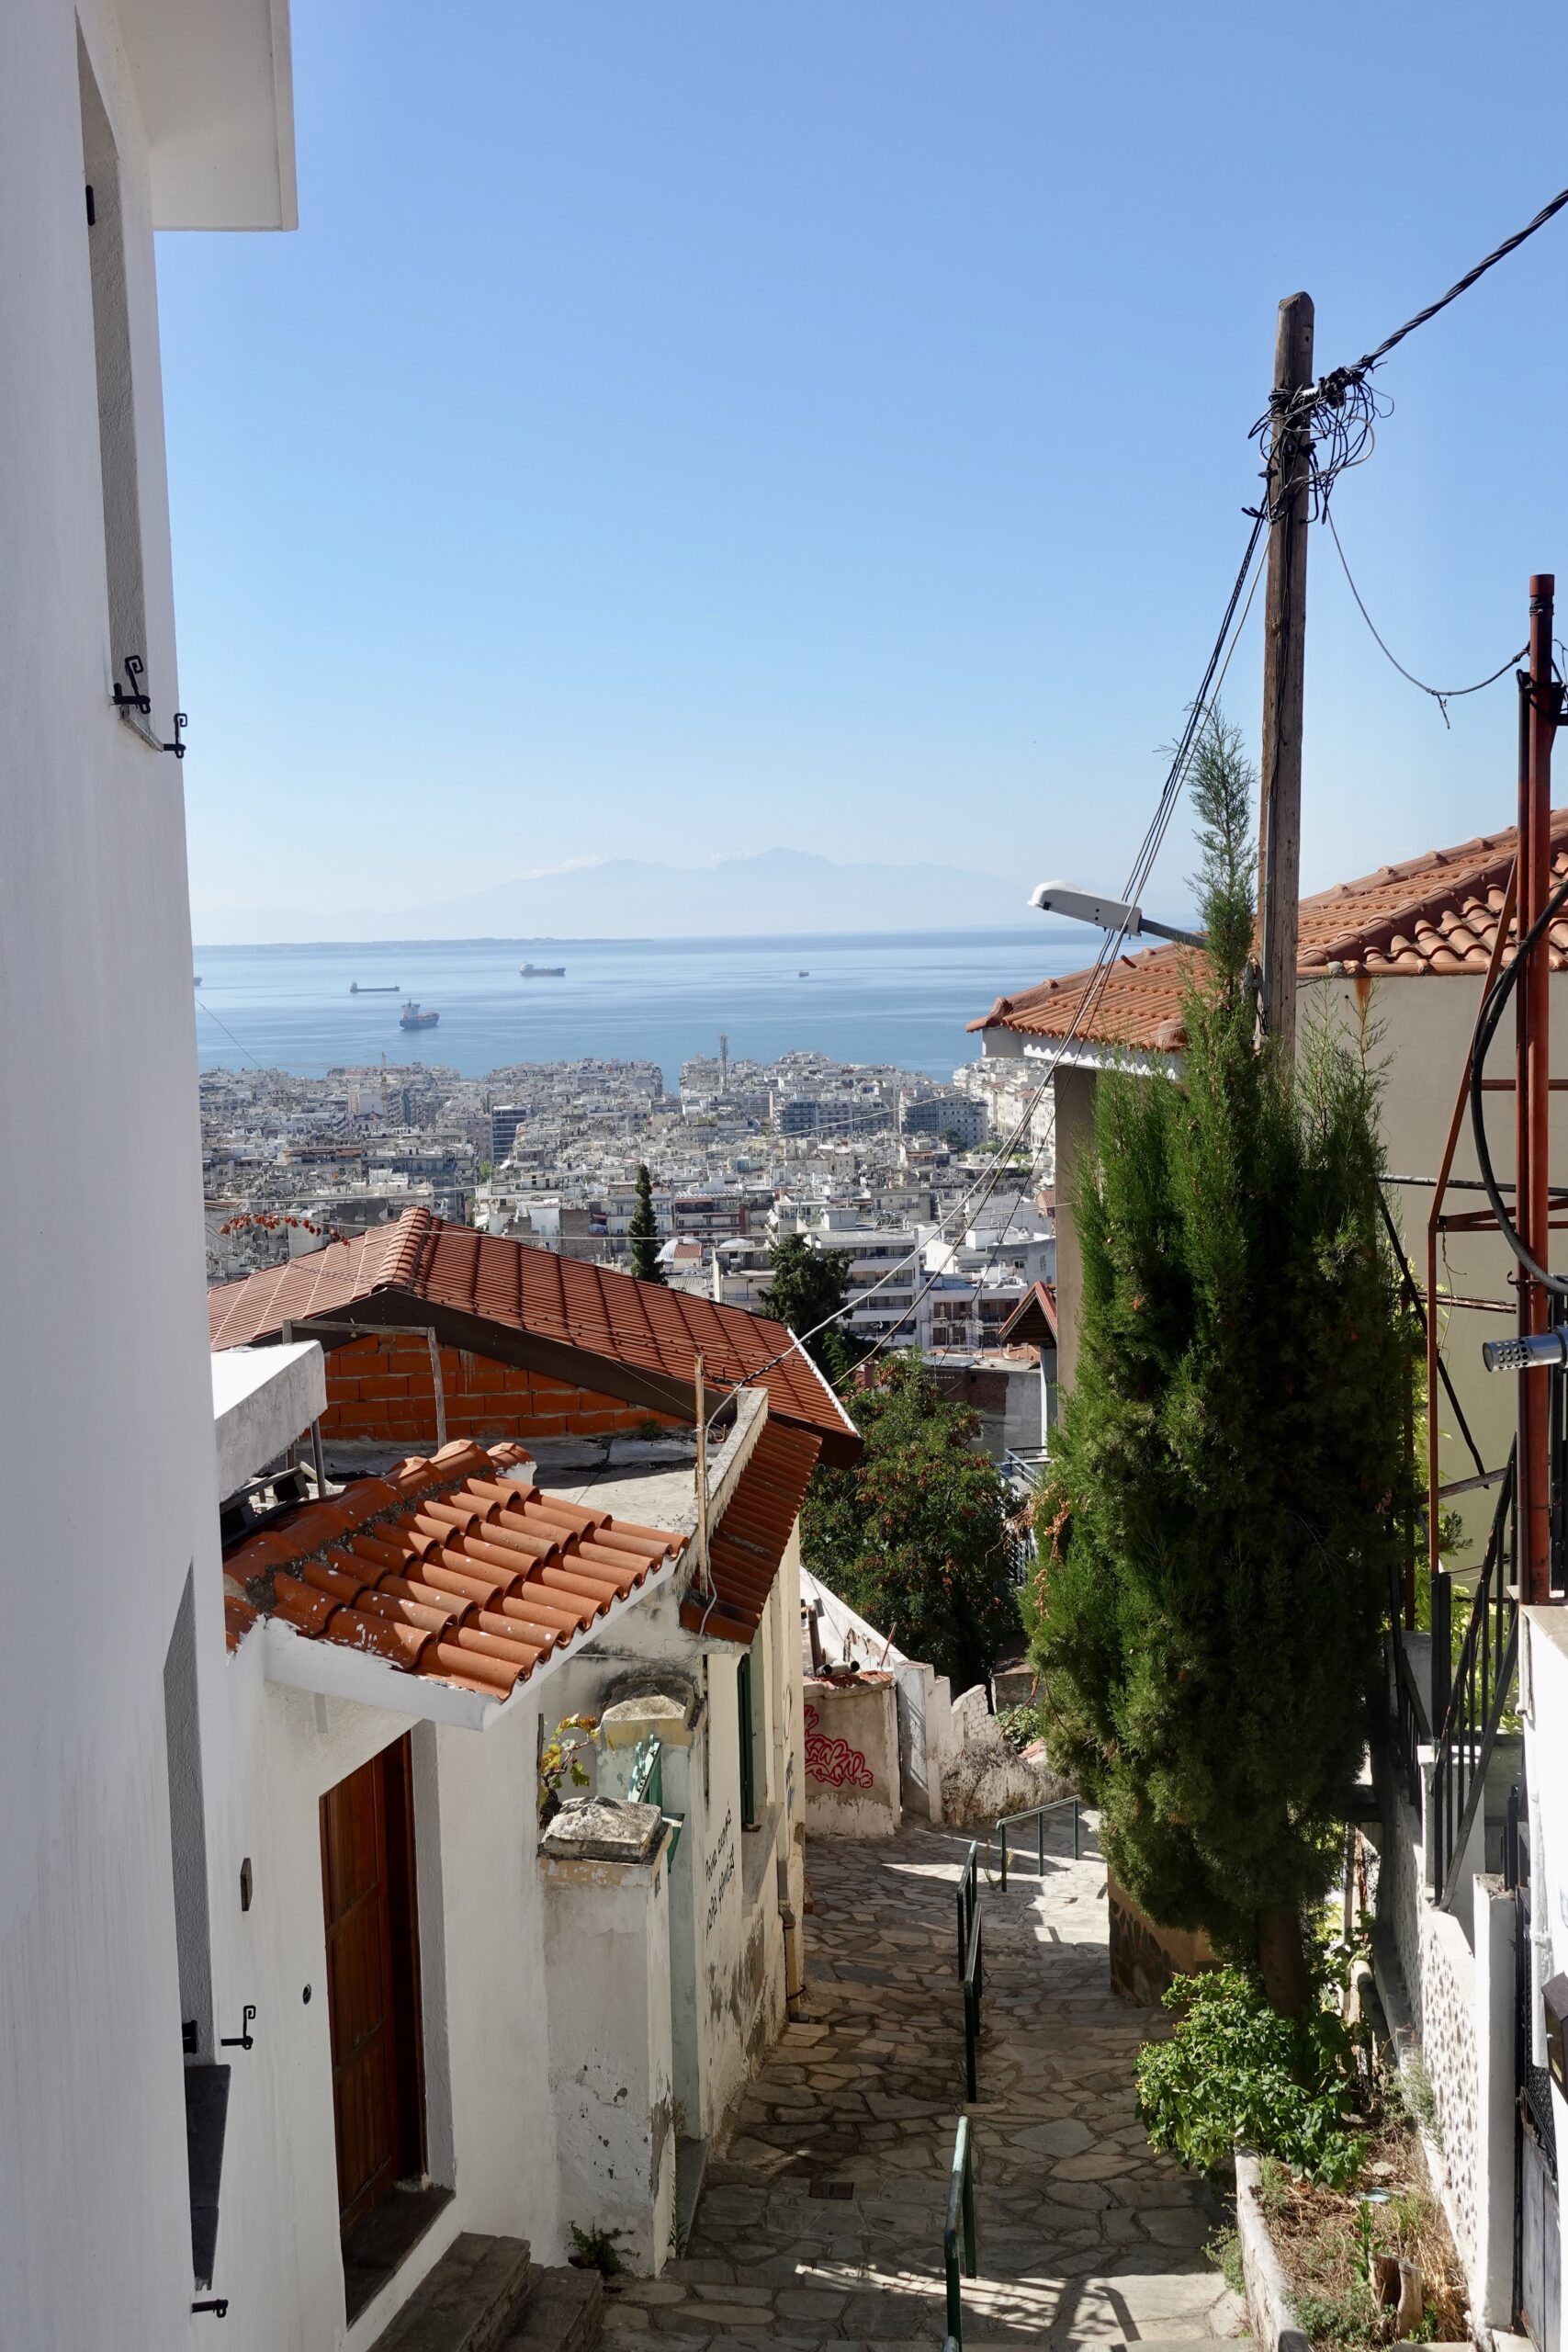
629 1720
604 1829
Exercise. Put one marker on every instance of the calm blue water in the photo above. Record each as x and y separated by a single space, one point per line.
901 997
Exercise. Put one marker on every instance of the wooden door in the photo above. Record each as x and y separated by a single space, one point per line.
368 1893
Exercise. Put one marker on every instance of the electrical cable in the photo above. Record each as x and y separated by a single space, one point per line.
1336 418
1441 696
229 1033
1486 1030
1198 714
1462 286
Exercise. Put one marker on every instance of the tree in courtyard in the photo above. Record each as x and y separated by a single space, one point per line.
1229 1476
643 1232
808 1288
917 1535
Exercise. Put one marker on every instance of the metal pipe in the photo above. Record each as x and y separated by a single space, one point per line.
1540 707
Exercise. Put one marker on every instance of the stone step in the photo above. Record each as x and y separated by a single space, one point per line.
467 2302
564 2311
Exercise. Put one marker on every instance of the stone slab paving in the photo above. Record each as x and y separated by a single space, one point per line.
1086 2234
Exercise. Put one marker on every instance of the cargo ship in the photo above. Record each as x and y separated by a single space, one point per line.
411 1017
542 971
372 987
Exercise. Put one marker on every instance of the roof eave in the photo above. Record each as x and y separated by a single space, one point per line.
336 1670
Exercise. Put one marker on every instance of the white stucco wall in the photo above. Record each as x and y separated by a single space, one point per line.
104 1382
490 2117
851 1758
1543 1688
731 1886
611 2083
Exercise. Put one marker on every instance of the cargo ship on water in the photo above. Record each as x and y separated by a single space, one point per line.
372 987
413 1016
542 971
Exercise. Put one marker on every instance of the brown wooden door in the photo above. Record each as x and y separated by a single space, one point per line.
367 1892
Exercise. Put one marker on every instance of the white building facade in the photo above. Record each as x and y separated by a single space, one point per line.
115 121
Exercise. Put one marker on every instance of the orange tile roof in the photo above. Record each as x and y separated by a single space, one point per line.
744 1555
446 1568
1433 915
641 1325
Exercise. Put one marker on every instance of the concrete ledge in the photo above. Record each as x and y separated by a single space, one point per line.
1267 2297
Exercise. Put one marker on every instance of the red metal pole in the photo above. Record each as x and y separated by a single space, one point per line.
1533 1101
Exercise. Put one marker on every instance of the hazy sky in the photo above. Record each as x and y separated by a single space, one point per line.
680 428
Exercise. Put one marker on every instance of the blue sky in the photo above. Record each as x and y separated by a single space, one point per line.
676 430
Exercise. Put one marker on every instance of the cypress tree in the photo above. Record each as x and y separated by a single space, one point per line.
1223 1509
643 1232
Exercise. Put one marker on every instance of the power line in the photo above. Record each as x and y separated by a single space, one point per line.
229 1033
1100 971
1337 417
1441 696
1370 359
1199 713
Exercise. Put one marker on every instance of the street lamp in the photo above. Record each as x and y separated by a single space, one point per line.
1108 914
1535 1351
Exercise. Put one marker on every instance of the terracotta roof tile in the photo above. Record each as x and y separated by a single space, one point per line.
1432 915
752 1538
446 1570
611 1315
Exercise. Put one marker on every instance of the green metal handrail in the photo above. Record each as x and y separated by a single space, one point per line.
968 1902
1036 1814
959 2210
974 1985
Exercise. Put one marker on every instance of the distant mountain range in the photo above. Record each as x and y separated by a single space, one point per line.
779 890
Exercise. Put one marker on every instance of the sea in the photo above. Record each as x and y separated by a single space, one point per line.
899 997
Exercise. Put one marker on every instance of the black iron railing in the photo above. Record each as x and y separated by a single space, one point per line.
1482 1687
1412 1725
1035 1814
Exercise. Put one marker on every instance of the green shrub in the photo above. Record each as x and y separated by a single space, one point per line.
1236 2072
1020 1725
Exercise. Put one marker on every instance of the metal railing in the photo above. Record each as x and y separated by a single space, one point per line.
974 1985
959 2230
1036 1814
1412 1729
968 1902
1483 1683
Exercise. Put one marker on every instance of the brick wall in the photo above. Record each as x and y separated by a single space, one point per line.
382 1389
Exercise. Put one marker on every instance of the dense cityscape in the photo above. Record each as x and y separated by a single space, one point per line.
867 1159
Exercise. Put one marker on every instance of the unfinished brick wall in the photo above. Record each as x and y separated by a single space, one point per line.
382 1389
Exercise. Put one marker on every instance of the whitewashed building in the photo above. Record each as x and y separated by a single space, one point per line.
118 117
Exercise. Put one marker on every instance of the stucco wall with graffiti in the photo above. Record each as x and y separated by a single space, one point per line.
852 1756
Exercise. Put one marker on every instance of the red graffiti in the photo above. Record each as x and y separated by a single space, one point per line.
833 1761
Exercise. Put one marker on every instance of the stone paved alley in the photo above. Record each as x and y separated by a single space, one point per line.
1084 2232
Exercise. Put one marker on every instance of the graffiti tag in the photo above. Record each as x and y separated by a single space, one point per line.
833 1761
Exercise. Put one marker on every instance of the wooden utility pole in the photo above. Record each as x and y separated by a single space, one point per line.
1284 654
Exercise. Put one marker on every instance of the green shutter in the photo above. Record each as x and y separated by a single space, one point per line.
748 1775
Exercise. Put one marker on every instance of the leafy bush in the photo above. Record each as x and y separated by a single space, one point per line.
1020 1725
1235 2072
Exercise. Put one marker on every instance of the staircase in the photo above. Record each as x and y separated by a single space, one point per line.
487 2295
